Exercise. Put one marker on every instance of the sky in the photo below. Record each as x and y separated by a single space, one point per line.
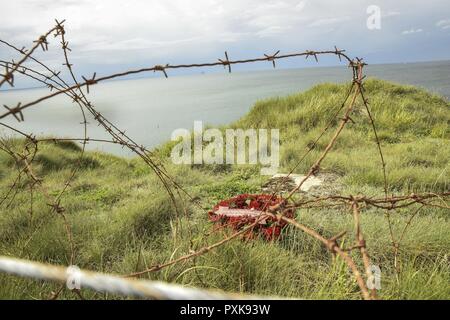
110 35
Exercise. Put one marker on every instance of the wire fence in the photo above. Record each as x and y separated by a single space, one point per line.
78 91
77 279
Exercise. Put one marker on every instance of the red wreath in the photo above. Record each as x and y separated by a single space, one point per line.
244 209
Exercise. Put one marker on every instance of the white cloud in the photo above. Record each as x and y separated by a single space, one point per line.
390 14
412 30
300 5
443 24
328 21
270 31
155 22
166 30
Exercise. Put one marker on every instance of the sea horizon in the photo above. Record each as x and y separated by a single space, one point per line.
150 109
152 75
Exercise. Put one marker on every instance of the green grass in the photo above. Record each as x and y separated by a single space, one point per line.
123 220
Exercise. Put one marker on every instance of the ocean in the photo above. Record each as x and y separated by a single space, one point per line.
150 109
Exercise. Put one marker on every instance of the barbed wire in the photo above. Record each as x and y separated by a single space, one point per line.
58 86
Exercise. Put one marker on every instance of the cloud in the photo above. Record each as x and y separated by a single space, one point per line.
270 31
140 32
328 21
411 31
443 24
300 6
390 14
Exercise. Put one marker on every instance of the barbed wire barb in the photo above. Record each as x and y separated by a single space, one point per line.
355 254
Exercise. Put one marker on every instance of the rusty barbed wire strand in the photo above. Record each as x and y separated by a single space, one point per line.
109 127
119 137
333 246
8 76
26 158
70 93
360 242
316 166
339 53
226 62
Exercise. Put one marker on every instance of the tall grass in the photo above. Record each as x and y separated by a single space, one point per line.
123 221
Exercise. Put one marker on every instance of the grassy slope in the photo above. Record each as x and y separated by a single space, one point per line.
123 220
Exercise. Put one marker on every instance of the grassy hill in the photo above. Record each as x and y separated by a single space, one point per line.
123 220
